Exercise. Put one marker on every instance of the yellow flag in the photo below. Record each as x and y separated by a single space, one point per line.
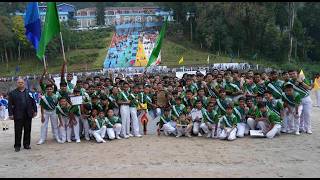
181 60
301 75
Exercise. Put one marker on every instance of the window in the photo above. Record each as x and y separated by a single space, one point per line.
126 19
138 18
149 19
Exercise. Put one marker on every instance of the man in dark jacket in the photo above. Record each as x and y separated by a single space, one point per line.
22 108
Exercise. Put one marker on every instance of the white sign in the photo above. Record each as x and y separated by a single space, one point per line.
57 80
76 100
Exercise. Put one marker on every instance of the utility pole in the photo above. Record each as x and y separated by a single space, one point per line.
189 16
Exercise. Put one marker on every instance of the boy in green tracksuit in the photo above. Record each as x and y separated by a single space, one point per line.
65 123
97 125
223 101
178 108
268 121
133 97
292 105
201 97
75 114
240 111
113 125
210 121
166 123
48 105
251 114
227 127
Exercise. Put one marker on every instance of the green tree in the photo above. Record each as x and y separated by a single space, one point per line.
100 13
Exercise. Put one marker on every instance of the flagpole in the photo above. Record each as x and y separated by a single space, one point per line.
44 63
62 46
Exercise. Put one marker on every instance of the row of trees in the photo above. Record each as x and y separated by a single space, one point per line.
271 30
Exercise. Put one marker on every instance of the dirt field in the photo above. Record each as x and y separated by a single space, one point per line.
153 156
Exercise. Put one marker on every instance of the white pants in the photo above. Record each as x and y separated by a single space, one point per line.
114 132
252 123
209 129
184 130
264 127
305 120
85 126
291 121
125 120
317 97
242 129
135 121
228 133
169 128
65 130
99 134
52 116
196 128
76 128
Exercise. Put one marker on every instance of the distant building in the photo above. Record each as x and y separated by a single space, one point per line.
65 12
150 16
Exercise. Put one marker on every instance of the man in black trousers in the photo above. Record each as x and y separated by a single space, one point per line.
22 108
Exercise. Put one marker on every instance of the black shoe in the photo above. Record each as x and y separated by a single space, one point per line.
7 128
3 129
27 147
16 149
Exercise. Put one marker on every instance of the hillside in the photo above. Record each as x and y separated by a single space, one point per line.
92 59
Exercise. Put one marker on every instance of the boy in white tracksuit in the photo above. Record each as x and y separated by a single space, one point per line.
65 124
48 105
210 119
184 126
292 108
268 121
166 123
241 111
97 126
227 126
197 118
124 102
134 99
303 88
113 125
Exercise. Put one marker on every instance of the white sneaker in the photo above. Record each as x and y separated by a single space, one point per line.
103 141
209 135
130 135
166 133
188 135
88 139
309 132
138 135
69 141
297 133
179 135
40 142
61 142
199 134
126 136
78 141
118 137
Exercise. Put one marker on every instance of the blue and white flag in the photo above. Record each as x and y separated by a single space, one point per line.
32 23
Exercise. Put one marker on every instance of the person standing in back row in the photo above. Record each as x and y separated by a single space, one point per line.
22 108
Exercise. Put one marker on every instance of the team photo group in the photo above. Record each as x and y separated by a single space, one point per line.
223 104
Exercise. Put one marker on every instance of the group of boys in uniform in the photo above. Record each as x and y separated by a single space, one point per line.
221 104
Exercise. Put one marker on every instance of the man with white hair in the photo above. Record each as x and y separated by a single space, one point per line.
22 108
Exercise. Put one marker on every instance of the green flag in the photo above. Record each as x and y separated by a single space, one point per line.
51 28
155 52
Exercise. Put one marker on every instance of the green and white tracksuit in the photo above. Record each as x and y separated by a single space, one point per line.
49 103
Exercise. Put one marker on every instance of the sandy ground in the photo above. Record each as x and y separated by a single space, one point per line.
154 156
